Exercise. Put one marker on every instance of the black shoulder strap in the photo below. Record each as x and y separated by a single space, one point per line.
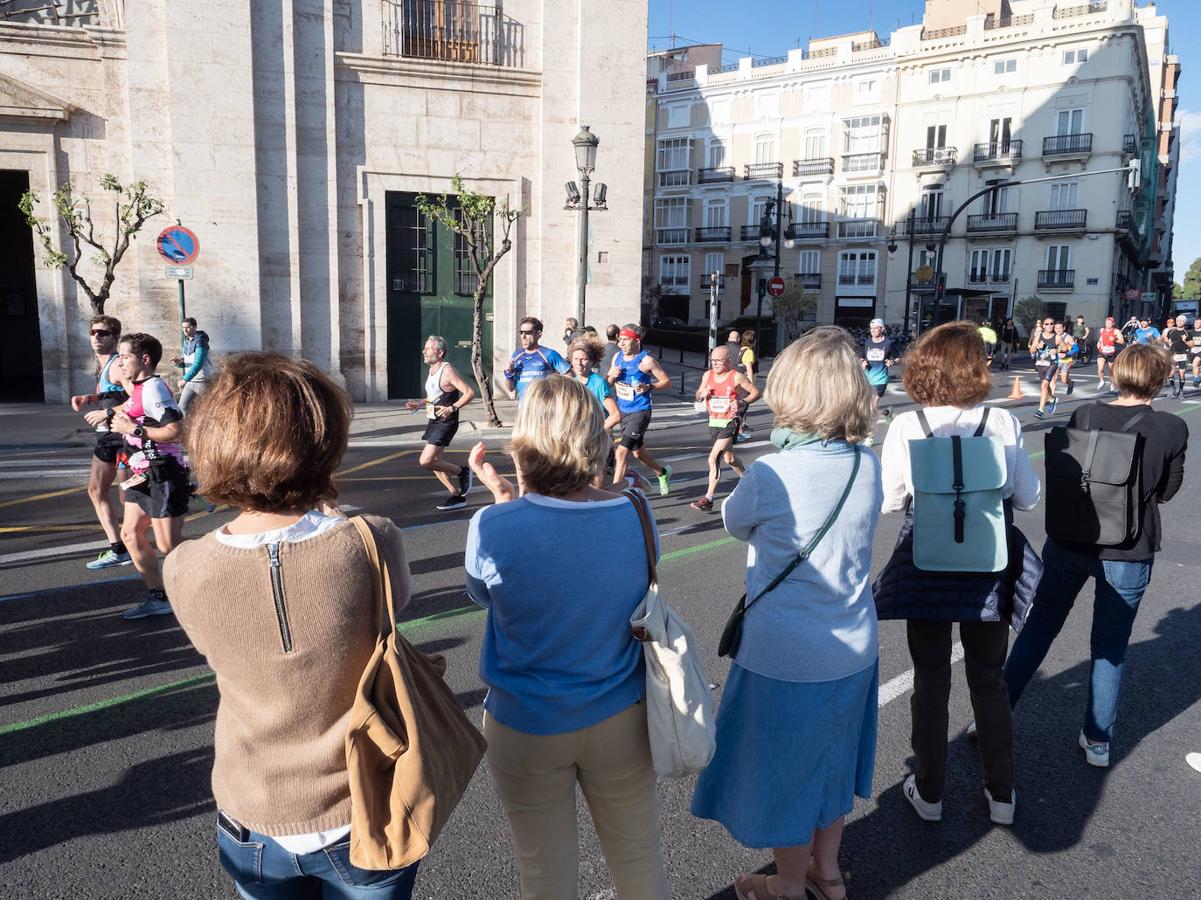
1084 415
983 422
1136 418
925 423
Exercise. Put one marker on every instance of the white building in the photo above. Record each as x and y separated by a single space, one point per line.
293 139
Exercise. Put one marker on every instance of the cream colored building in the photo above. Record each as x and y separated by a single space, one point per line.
293 138
859 133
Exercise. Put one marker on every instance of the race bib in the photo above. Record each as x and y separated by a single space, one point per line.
875 355
1179 357
624 390
719 405
429 411
1107 350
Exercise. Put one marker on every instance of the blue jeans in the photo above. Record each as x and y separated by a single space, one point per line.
1119 589
263 870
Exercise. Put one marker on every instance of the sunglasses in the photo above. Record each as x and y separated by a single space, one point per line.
523 331
100 332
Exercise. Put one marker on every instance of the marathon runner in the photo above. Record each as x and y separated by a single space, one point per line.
532 362
197 364
634 374
1083 334
1195 351
875 355
1068 348
445 394
1146 333
105 332
1179 342
584 356
1044 348
1108 339
1009 342
726 393
156 495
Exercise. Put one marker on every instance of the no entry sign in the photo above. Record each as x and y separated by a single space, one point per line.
775 285
178 245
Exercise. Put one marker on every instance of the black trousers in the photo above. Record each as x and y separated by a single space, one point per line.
984 648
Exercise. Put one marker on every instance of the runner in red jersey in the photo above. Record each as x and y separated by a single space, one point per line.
724 392
1108 339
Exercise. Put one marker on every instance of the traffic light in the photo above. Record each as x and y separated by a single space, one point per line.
1134 175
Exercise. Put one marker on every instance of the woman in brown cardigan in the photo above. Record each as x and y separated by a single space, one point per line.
280 602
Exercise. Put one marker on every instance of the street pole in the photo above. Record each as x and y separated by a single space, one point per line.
713 276
909 271
183 313
582 272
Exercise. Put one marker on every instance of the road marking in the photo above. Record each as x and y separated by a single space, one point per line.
45 529
67 587
903 683
20 501
44 552
374 462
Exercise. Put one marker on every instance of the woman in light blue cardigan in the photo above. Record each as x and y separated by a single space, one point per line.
796 731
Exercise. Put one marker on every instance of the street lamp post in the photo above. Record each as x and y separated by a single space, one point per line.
578 198
769 232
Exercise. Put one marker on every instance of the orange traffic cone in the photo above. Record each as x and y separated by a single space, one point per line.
1016 393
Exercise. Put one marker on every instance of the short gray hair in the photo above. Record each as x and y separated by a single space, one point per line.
439 342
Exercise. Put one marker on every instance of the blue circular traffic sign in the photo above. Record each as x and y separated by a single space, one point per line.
178 245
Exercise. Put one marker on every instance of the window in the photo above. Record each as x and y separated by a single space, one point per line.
759 209
717 154
815 143
1069 121
810 262
714 262
672 155
465 277
671 212
1004 66
715 215
997 202
937 76
936 136
867 90
1001 261
933 199
1000 133
1064 195
862 134
674 271
422 255
765 148
812 209
859 201
1079 55
856 269
1059 258
978 272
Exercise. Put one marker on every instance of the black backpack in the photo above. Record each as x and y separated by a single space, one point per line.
1094 483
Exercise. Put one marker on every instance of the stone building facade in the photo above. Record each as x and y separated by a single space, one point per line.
293 136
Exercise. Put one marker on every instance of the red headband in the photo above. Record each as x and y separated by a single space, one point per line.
632 335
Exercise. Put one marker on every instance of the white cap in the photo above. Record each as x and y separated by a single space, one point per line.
874 322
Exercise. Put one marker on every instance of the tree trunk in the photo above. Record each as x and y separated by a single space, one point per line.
477 353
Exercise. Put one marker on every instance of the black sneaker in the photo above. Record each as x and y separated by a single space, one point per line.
454 501
466 480
1071 387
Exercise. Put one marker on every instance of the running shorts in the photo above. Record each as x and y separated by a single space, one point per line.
1048 373
880 389
632 430
729 430
165 492
1180 358
440 434
110 447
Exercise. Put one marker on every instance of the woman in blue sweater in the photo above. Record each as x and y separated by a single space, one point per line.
560 569
796 732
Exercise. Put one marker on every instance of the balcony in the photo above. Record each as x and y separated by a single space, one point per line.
675 178
858 229
676 285
975 276
763 171
1056 279
749 233
935 157
1129 235
818 166
712 234
807 231
715 176
929 224
998 153
453 31
993 223
666 237
1130 145
862 163
856 279
1068 145
703 283
811 280
1060 220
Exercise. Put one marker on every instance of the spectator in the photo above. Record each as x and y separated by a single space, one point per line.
559 569
571 330
197 365
267 442
734 345
1121 573
796 731
609 350
746 354
947 374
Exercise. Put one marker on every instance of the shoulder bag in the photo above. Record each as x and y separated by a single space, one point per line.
731 635
410 749
679 705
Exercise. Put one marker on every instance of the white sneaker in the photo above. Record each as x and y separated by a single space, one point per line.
971 728
1096 754
999 811
1194 760
928 812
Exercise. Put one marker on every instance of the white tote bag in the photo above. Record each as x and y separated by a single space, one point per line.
679 705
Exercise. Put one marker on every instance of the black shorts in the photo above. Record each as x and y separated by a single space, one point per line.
1048 373
632 430
728 430
165 492
110 447
440 434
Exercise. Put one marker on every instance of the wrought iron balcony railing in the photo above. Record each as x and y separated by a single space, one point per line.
763 170
712 234
1060 220
716 175
459 31
818 166
802 231
939 157
1004 152
992 223
1068 145
1056 279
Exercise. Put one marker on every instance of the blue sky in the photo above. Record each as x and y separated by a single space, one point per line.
771 29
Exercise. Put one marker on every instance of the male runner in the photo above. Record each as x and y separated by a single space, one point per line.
1068 348
532 362
445 394
1044 347
156 495
105 331
1082 333
1195 351
734 345
988 334
1108 339
720 390
1179 342
197 365
1146 333
1009 342
634 374
875 355
610 349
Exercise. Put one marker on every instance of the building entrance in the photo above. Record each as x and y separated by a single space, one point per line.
20 332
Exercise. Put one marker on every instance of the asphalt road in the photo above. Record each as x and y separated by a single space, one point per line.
106 725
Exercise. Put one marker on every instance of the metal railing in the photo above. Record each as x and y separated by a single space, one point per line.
998 151
703 283
762 170
862 162
992 223
818 166
768 61
936 33
1130 144
675 178
929 224
855 229
1060 220
1067 144
1056 279
681 76
459 31
728 67
935 156
810 279
715 176
77 13
1068 12
712 234
800 231
1126 221
749 233
994 22
667 236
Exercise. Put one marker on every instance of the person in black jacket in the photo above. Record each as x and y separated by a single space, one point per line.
1122 572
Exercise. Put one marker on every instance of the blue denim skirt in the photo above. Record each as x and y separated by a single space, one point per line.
791 756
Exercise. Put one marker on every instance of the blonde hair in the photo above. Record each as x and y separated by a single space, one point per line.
1140 370
817 386
559 440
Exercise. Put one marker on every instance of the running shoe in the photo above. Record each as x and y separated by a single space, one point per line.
928 812
155 604
1096 753
1071 387
1196 381
1000 812
1051 404
887 412
705 504
742 437
454 501
108 559
466 481
1038 414
665 482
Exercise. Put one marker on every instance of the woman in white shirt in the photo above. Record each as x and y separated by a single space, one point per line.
947 373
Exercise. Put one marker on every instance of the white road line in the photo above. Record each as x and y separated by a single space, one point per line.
47 475
903 683
43 553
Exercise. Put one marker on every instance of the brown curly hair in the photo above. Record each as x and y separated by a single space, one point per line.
948 367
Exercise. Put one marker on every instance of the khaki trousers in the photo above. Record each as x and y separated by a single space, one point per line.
536 778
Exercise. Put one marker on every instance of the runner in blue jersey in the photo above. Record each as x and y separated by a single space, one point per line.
634 374
532 362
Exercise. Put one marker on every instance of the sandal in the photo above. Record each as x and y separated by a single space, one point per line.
817 885
745 885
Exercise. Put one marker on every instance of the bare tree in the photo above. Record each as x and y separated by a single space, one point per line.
792 307
134 207
470 216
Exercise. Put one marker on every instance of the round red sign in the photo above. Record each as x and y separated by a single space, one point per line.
775 285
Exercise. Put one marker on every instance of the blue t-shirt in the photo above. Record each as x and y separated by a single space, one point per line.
599 388
534 365
1146 335
560 580
628 399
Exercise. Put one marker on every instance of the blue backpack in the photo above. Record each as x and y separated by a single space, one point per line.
958 512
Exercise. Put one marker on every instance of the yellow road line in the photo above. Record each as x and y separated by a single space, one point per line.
373 462
48 496
48 529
